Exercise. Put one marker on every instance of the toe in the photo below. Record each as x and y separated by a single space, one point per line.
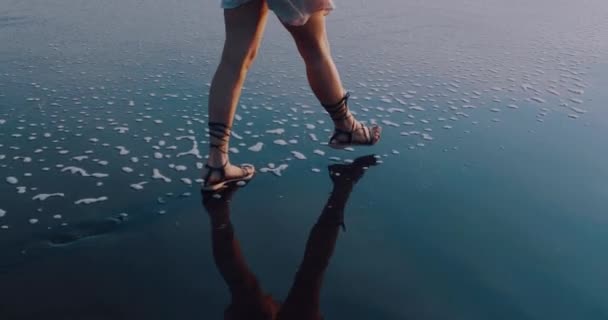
377 131
247 169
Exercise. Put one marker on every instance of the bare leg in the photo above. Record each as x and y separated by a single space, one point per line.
323 77
244 29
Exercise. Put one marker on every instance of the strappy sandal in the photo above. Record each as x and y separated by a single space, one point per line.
221 132
340 112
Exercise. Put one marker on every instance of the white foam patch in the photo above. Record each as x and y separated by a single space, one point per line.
319 152
2 213
121 129
578 110
194 151
278 171
127 169
280 142
99 175
138 186
276 131
187 181
12 180
236 136
91 200
157 175
298 155
256 147
21 190
122 150
44 196
575 100
84 173
390 123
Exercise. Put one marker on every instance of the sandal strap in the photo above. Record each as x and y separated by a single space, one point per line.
367 131
221 170
221 132
339 111
337 132
220 147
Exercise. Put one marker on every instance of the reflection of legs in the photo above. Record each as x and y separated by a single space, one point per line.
244 29
303 299
245 290
323 77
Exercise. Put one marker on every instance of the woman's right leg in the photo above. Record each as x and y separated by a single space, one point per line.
244 29
324 79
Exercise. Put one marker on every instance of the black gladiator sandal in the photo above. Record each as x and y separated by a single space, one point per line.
221 132
340 112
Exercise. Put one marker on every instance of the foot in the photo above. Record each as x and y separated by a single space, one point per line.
352 132
217 177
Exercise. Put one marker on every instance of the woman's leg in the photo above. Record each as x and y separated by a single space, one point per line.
244 29
323 77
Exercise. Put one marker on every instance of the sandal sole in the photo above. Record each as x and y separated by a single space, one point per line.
220 185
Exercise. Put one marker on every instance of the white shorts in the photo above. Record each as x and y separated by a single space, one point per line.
292 12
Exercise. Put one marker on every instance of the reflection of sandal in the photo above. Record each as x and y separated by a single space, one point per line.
340 112
221 132
351 173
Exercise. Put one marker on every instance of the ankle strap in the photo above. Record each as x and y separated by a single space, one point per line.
339 111
220 132
221 170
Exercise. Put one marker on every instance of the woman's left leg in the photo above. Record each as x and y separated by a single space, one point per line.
244 29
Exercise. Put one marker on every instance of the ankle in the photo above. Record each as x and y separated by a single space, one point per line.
216 158
345 124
